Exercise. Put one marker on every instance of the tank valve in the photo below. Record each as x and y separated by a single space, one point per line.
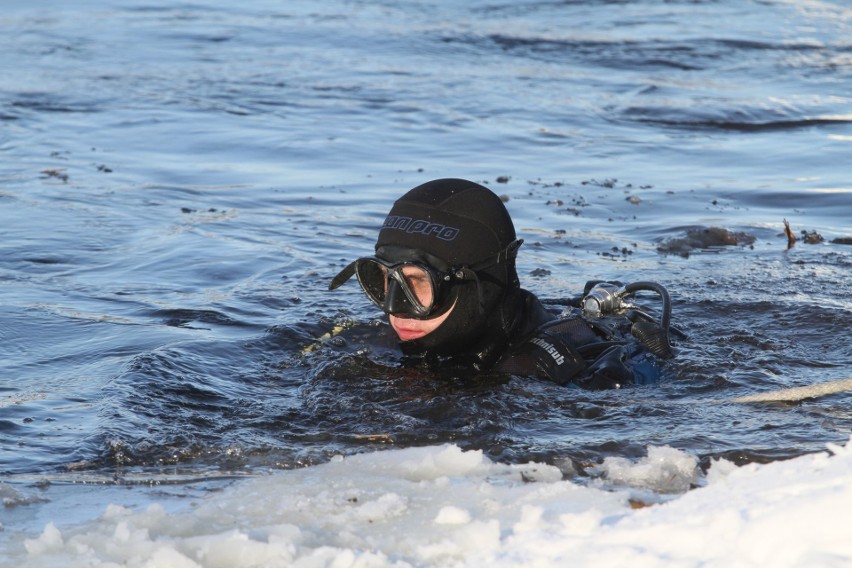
604 298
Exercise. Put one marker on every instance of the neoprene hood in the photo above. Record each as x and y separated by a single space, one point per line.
463 224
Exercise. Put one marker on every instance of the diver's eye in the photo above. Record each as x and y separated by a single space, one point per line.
419 284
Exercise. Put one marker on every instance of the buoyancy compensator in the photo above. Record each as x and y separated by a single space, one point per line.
603 339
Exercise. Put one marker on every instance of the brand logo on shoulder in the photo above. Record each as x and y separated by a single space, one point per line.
551 350
422 226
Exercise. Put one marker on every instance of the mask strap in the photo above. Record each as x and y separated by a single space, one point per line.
343 276
507 253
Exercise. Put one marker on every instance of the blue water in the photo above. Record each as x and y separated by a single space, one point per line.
179 182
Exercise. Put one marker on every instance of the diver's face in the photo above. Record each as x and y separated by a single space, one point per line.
409 329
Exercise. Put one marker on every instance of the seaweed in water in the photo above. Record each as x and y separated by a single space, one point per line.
812 237
703 238
791 238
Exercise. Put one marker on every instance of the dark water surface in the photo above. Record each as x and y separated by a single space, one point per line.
179 182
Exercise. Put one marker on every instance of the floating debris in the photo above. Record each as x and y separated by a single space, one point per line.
812 237
791 238
808 237
58 173
799 393
607 183
705 238
616 252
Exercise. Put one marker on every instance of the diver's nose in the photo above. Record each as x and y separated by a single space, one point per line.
396 302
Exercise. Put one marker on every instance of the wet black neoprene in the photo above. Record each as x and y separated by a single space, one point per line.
464 224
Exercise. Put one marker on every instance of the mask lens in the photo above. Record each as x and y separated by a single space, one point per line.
373 277
419 285
414 281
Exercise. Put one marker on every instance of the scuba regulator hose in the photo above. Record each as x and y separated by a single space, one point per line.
654 337
607 297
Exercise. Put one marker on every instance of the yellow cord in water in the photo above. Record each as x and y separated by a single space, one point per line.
322 339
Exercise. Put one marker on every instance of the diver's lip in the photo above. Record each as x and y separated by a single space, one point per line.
407 334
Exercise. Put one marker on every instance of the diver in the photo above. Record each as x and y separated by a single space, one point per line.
444 273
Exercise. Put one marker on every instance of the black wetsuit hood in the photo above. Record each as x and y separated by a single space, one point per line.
463 224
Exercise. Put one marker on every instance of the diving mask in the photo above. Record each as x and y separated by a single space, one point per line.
416 287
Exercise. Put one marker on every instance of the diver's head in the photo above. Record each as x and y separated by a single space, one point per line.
445 260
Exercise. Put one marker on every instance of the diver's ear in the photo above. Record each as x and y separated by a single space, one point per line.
343 276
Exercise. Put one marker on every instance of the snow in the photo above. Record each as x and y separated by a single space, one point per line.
441 506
